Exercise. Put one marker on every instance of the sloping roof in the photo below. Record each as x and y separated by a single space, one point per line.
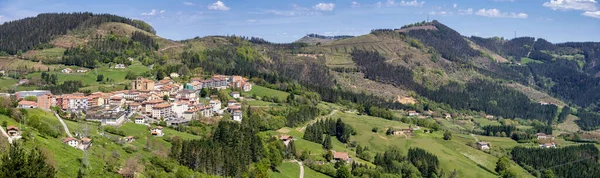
12 128
68 139
340 155
285 137
30 103
85 139
160 106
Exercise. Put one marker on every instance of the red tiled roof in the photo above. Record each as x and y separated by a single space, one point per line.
29 103
340 155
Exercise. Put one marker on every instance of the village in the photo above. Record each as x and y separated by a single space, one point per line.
148 102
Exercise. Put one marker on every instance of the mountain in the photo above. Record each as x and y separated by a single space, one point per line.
314 39
504 91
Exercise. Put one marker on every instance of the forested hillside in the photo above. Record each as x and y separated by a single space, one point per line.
35 32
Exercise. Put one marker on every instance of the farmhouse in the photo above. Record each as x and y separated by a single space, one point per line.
82 70
341 156
67 70
13 131
119 66
85 143
413 113
129 139
157 131
548 145
73 142
286 139
483 145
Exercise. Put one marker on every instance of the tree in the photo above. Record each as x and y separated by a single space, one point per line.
30 98
502 164
17 163
4 124
359 149
548 174
329 155
447 135
343 172
166 97
100 78
204 92
327 143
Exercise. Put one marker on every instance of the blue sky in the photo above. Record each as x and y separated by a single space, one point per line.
289 20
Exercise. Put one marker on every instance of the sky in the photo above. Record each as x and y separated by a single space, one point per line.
285 21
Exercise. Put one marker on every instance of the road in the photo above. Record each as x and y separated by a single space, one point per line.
64 125
315 120
301 168
6 135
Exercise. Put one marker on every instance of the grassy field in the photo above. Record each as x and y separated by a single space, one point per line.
453 155
263 91
308 172
89 78
528 60
287 170
7 83
485 122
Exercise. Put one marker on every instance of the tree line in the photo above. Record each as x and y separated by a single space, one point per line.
24 34
570 161
329 127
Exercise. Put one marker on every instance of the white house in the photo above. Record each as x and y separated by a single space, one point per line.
73 142
119 66
82 70
235 94
140 120
174 75
85 143
157 131
548 145
179 108
483 145
237 115
413 113
67 70
216 105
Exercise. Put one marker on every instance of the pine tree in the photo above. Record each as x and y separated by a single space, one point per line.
327 143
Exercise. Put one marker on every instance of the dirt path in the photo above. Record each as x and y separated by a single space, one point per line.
313 121
64 125
301 168
6 135
476 140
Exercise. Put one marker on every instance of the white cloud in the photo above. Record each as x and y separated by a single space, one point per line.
188 3
504 0
392 3
497 13
151 13
594 14
454 5
468 11
355 4
412 3
584 5
162 11
324 6
440 13
2 19
251 20
219 5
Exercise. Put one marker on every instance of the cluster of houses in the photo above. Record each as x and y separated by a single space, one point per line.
147 99
82 144
69 70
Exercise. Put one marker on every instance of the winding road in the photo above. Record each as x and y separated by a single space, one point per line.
64 125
